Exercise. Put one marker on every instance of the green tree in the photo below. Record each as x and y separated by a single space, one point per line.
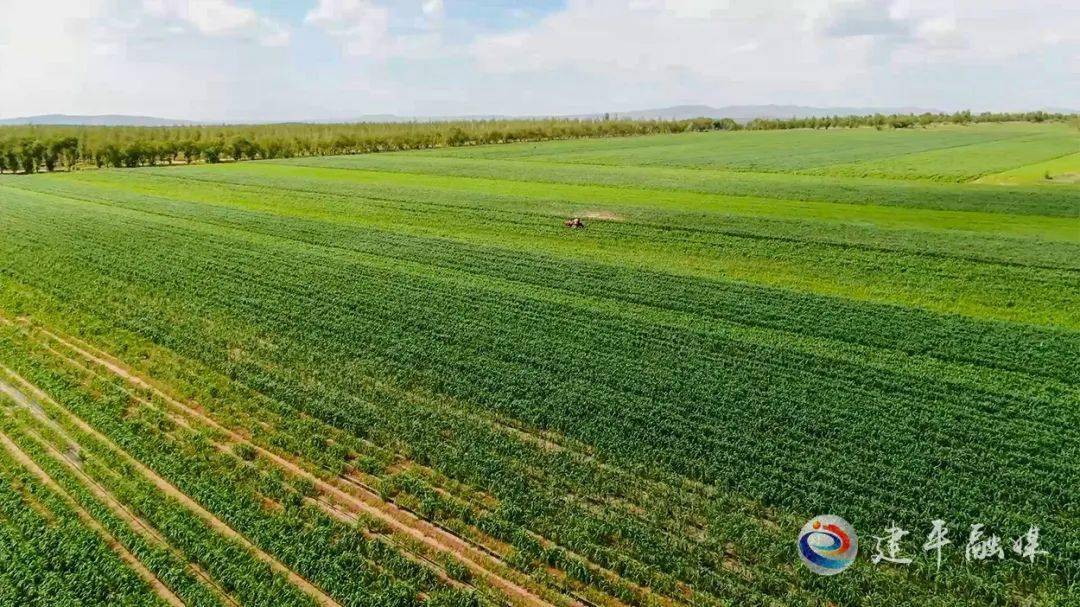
11 156
134 155
191 150
52 153
31 154
69 151
212 153
167 151
113 155
237 147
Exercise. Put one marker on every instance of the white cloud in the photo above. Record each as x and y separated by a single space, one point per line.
122 56
686 9
654 40
220 18
368 29
433 8
940 33
45 48
759 49
361 26
208 59
851 18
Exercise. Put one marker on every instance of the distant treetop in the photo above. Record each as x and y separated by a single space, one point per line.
32 148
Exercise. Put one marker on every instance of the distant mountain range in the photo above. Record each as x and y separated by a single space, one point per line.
745 113
106 120
1060 110
739 113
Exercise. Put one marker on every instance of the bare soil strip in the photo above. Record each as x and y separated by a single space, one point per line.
360 499
358 495
336 511
471 552
155 584
421 559
70 460
168 489
354 485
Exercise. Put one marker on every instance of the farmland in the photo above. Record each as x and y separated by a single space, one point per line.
398 379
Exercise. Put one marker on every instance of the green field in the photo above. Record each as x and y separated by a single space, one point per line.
398 379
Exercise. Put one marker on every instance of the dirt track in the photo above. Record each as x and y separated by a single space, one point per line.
359 500
168 489
140 526
349 496
27 462
359 497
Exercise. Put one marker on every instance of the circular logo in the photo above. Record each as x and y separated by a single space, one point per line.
827 544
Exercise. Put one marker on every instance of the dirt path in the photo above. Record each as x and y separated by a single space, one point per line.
170 490
328 506
21 399
73 463
360 499
27 462
359 496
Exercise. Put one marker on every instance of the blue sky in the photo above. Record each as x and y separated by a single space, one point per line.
492 14
336 59
487 15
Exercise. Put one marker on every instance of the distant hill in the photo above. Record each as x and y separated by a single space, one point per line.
1060 110
383 118
106 120
745 113
739 113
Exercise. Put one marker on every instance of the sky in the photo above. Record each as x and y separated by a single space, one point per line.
220 60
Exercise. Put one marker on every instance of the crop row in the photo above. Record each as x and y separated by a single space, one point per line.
320 548
777 151
1035 351
432 502
1040 294
511 353
863 191
260 429
49 556
968 162
947 281
387 200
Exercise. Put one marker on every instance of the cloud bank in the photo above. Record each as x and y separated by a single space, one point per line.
252 59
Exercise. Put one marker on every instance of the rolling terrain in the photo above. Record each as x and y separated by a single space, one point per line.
398 379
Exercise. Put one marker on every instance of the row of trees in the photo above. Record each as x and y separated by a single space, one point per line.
31 154
30 149
903 121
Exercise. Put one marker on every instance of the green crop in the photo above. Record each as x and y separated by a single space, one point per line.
641 412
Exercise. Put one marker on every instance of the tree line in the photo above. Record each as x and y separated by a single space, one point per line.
30 149
904 121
